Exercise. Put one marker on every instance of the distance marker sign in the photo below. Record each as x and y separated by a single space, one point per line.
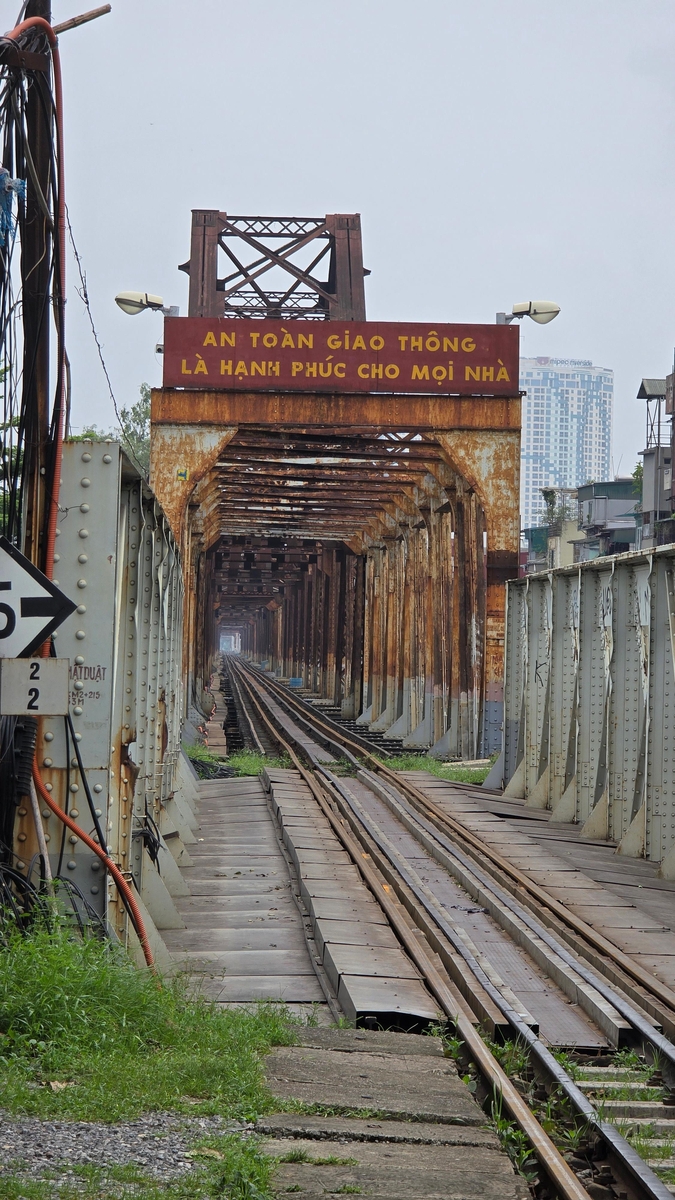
31 606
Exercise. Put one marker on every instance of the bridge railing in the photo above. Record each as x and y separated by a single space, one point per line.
589 714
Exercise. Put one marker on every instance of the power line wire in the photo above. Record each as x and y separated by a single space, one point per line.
84 297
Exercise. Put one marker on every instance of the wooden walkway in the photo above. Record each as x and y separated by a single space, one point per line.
244 932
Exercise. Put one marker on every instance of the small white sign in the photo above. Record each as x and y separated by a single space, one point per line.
33 687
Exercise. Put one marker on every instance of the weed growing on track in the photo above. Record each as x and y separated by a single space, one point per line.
444 770
80 1013
243 762
247 762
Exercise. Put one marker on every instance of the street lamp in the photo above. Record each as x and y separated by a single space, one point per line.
133 303
541 311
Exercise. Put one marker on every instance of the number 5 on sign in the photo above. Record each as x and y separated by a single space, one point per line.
34 687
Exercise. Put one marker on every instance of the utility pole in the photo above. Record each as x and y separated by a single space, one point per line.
36 275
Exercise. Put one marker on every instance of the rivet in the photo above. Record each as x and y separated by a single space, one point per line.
79 660
47 762
48 837
78 685
78 710
49 787
73 840
84 533
80 635
46 814
22 837
82 583
81 608
21 864
78 737
96 866
86 458
94 891
74 812
55 581
49 737
57 558
85 482
72 864
74 762
57 532
83 558
74 787
98 811
84 508
98 787
107 458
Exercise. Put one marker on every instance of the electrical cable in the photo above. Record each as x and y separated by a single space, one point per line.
123 888
39 24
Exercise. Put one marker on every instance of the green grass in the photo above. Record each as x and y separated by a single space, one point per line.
80 1013
424 762
242 1173
248 762
244 762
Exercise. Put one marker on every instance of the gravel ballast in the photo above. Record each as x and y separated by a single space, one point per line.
160 1144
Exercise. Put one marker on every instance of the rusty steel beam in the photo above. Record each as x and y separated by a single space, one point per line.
184 407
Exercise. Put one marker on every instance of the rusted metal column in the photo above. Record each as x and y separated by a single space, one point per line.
347 635
376 633
369 598
390 613
422 731
343 566
354 702
490 463
331 626
204 300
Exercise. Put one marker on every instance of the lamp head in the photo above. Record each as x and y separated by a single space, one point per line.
132 303
541 311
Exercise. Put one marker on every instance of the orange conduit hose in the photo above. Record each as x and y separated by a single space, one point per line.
116 874
105 859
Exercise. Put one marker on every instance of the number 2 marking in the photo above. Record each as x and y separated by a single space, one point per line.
34 694
35 671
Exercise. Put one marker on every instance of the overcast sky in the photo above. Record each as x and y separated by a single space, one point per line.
496 151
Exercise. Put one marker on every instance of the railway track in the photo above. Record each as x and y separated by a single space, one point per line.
613 1098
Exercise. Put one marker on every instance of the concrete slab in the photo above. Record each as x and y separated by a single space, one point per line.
352 1129
398 1086
374 1041
403 1172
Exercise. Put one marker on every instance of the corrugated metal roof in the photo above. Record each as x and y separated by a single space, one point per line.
651 389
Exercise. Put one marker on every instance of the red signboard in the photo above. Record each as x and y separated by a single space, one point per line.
336 356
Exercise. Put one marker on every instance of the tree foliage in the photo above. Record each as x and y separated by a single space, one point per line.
133 431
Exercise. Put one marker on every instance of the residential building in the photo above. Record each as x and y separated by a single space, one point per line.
566 428
607 513
655 523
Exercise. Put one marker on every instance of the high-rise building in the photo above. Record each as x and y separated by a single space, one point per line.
567 428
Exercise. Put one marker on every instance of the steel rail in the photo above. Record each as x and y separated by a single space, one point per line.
649 1183
543 899
557 1169
661 1044
247 716
624 1158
